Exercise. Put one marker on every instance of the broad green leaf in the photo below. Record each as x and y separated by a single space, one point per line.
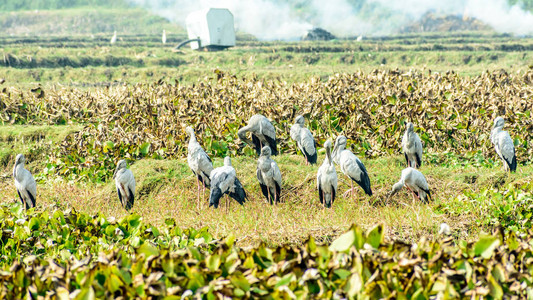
375 236
485 246
147 249
343 242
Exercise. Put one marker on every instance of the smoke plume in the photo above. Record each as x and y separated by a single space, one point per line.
276 19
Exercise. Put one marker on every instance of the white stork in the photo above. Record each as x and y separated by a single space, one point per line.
304 139
224 181
269 176
199 162
412 147
326 178
415 181
263 134
125 183
164 37
503 144
113 38
351 166
24 183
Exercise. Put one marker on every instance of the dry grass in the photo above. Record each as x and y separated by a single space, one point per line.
168 189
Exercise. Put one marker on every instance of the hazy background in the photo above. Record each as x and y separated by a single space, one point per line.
267 19
271 19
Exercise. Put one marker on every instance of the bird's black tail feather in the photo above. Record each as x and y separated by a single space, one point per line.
130 201
273 145
214 196
257 144
365 180
240 194
512 166
201 179
311 158
32 198
418 161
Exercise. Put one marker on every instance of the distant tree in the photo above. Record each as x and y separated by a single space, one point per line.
15 5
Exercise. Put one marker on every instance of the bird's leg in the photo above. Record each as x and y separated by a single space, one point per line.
198 193
349 191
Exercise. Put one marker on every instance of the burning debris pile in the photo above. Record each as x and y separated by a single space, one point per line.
318 34
429 22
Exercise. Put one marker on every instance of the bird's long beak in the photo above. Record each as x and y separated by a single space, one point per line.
115 173
328 154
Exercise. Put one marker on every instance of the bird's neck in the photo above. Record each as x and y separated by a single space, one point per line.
17 169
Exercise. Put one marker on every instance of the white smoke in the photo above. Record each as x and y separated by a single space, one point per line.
275 19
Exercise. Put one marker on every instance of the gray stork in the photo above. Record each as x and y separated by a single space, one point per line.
125 184
503 144
351 166
269 176
224 181
304 138
199 162
415 181
24 183
412 147
263 134
326 178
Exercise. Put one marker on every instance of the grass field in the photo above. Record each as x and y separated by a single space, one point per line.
167 189
90 111
84 61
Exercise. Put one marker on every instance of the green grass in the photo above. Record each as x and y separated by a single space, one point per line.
35 141
167 188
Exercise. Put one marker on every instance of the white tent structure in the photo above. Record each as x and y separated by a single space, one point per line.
213 27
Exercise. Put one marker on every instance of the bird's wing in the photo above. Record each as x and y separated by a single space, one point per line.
421 182
507 150
295 130
260 176
204 163
349 166
267 129
405 141
131 182
365 179
308 142
28 182
418 150
276 172
238 193
318 177
224 178
269 132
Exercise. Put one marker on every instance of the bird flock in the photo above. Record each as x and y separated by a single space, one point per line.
223 180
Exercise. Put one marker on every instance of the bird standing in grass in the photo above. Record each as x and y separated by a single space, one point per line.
304 139
503 144
224 181
412 147
24 183
113 38
199 162
164 37
415 182
326 178
351 166
269 176
125 183
263 134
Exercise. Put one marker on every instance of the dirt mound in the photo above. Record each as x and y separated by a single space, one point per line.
318 34
433 23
